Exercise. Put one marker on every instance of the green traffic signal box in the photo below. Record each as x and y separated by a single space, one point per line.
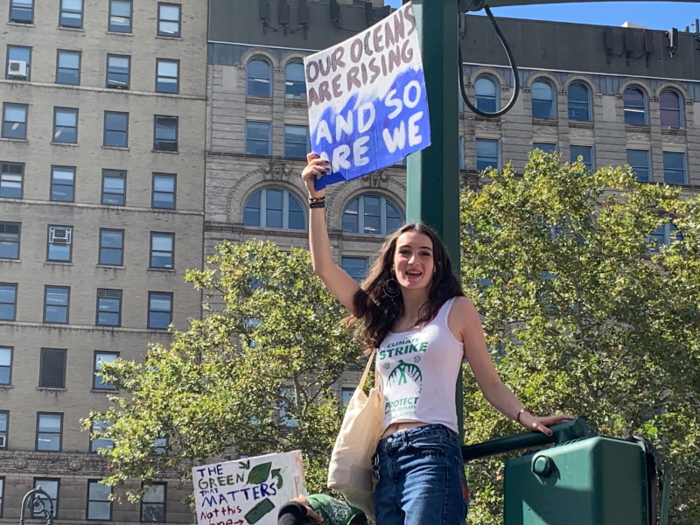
594 481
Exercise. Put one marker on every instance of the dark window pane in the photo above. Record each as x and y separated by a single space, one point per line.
120 16
259 79
295 83
251 213
635 107
351 217
579 105
296 215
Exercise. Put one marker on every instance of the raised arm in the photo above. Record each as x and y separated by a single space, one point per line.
340 284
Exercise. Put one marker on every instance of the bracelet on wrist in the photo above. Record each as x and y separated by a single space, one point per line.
317 204
316 199
520 413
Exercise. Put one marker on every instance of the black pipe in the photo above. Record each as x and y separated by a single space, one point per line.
561 433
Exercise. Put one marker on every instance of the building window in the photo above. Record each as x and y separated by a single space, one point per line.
50 486
11 179
49 432
296 141
18 63
355 267
102 357
68 68
164 186
160 310
118 71
21 12
71 13
579 102
586 154
120 13
162 250
116 134
168 76
259 78
274 208
56 304
638 159
487 154
346 395
9 240
165 133
546 147
14 121
153 504
635 103
111 248
63 183
4 422
294 81
114 187
100 426
674 168
109 307
371 214
486 90
99 507
169 19
65 125
258 138
8 301
5 375
52 371
664 235
671 104
60 246
160 445
543 100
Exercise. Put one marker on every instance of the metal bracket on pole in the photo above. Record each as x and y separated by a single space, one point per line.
35 502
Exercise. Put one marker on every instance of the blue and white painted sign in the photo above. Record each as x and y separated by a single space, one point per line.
367 103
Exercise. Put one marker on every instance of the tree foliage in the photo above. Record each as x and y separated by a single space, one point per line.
253 376
586 313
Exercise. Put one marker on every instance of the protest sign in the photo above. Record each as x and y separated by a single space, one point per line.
247 491
367 102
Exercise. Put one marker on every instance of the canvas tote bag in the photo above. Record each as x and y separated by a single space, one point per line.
350 470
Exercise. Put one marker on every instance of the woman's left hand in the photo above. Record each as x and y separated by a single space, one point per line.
542 424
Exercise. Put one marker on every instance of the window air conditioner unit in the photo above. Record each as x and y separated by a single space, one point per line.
2 441
60 235
17 69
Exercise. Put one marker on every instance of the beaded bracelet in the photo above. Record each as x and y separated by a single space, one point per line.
317 204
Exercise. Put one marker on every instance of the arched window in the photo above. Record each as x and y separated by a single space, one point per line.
486 90
259 78
543 100
579 102
635 103
294 82
371 214
274 208
671 109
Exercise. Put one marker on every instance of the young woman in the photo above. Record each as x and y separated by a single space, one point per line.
417 318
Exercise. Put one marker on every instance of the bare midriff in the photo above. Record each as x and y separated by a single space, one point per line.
400 427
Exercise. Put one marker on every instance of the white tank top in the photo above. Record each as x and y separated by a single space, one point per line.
418 371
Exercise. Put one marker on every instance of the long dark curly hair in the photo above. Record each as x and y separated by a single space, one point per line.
377 311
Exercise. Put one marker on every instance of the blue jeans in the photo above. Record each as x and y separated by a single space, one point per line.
420 480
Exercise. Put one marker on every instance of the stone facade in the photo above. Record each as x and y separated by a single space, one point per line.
72 393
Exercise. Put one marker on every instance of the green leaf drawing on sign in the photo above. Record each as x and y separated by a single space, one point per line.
259 473
276 474
256 513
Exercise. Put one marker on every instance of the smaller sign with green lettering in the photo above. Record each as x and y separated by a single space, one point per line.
247 491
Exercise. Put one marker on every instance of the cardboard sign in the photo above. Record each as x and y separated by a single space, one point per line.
247 491
368 107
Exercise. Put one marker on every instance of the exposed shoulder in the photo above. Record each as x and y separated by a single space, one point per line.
460 314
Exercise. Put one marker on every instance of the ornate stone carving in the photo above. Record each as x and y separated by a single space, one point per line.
377 179
20 463
274 170
74 465
471 180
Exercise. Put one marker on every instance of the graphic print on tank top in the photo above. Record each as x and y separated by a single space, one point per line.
404 378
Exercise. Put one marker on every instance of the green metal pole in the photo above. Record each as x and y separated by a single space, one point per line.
432 185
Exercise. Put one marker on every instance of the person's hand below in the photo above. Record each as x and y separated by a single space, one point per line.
315 169
542 424
309 511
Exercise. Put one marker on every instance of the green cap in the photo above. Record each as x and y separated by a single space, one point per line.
333 511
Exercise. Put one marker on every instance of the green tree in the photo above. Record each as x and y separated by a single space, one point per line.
253 376
586 312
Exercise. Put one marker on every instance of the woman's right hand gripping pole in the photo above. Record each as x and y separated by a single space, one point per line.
340 284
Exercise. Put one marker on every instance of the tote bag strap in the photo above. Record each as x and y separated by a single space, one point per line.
370 362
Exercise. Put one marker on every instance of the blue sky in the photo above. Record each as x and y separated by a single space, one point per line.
654 15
